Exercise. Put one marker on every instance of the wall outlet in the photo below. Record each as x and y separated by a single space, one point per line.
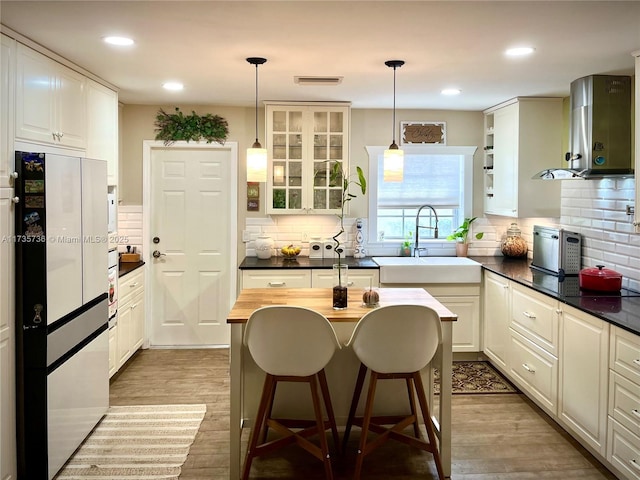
246 237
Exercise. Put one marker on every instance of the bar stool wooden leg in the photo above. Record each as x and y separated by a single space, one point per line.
324 388
435 449
265 428
268 390
324 447
412 404
362 372
366 420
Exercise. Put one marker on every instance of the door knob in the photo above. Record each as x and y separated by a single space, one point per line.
157 254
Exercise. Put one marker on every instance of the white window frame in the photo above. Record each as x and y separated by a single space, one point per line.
372 182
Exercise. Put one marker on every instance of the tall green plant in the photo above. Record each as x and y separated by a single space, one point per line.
337 176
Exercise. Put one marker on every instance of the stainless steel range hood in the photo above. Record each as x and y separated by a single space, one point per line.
599 131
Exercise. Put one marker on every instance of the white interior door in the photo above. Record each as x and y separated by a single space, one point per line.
192 213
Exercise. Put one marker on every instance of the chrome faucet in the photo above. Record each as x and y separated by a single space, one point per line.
416 249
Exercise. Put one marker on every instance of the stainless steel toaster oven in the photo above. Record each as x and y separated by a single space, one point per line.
556 250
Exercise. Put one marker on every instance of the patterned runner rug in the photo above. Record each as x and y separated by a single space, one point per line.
137 442
476 377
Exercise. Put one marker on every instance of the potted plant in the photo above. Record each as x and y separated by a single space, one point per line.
461 236
405 249
336 177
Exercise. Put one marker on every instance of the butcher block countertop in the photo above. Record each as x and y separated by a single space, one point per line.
320 300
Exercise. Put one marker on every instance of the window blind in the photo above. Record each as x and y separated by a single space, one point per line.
428 179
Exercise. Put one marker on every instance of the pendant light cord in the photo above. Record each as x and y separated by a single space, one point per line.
393 125
256 103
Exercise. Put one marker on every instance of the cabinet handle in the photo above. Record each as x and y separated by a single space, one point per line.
506 287
528 315
134 306
134 285
349 284
277 284
54 135
528 368
636 362
635 412
634 464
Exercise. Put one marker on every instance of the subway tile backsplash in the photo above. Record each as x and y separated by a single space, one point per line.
130 227
597 210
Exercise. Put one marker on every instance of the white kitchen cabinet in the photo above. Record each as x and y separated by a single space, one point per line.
533 349
50 101
522 136
276 278
535 371
535 316
359 278
496 318
7 98
8 467
130 330
304 141
623 432
102 127
584 377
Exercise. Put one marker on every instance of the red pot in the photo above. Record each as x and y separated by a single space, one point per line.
600 279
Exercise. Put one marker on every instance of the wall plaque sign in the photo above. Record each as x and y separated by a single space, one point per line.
423 132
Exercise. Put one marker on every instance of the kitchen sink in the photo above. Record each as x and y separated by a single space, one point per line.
428 270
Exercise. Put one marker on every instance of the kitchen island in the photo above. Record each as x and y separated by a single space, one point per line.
247 378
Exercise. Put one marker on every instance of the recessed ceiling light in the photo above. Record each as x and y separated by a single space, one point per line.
451 91
120 41
174 86
519 51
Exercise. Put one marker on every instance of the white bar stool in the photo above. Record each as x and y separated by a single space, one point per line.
291 344
394 342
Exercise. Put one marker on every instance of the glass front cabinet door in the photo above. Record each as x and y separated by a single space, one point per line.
304 141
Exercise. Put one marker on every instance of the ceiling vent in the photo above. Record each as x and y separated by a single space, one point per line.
309 80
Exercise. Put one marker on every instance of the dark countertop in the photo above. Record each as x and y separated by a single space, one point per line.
254 263
128 267
622 311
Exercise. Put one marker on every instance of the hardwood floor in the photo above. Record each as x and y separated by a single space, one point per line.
495 437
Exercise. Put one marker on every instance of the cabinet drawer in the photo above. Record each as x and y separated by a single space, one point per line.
130 285
534 370
623 450
276 279
624 402
536 317
624 354
356 278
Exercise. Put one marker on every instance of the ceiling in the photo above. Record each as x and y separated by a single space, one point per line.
460 44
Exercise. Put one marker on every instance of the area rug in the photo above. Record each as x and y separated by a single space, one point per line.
137 442
476 377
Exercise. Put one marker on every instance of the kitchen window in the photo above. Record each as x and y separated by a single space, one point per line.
440 176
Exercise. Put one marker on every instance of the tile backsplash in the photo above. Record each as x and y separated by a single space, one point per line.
597 210
130 227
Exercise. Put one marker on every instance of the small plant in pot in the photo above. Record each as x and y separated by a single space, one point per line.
461 236
338 177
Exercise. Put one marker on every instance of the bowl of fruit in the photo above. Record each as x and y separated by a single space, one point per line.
290 252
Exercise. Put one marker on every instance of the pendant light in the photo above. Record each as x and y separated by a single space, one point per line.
393 156
256 155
